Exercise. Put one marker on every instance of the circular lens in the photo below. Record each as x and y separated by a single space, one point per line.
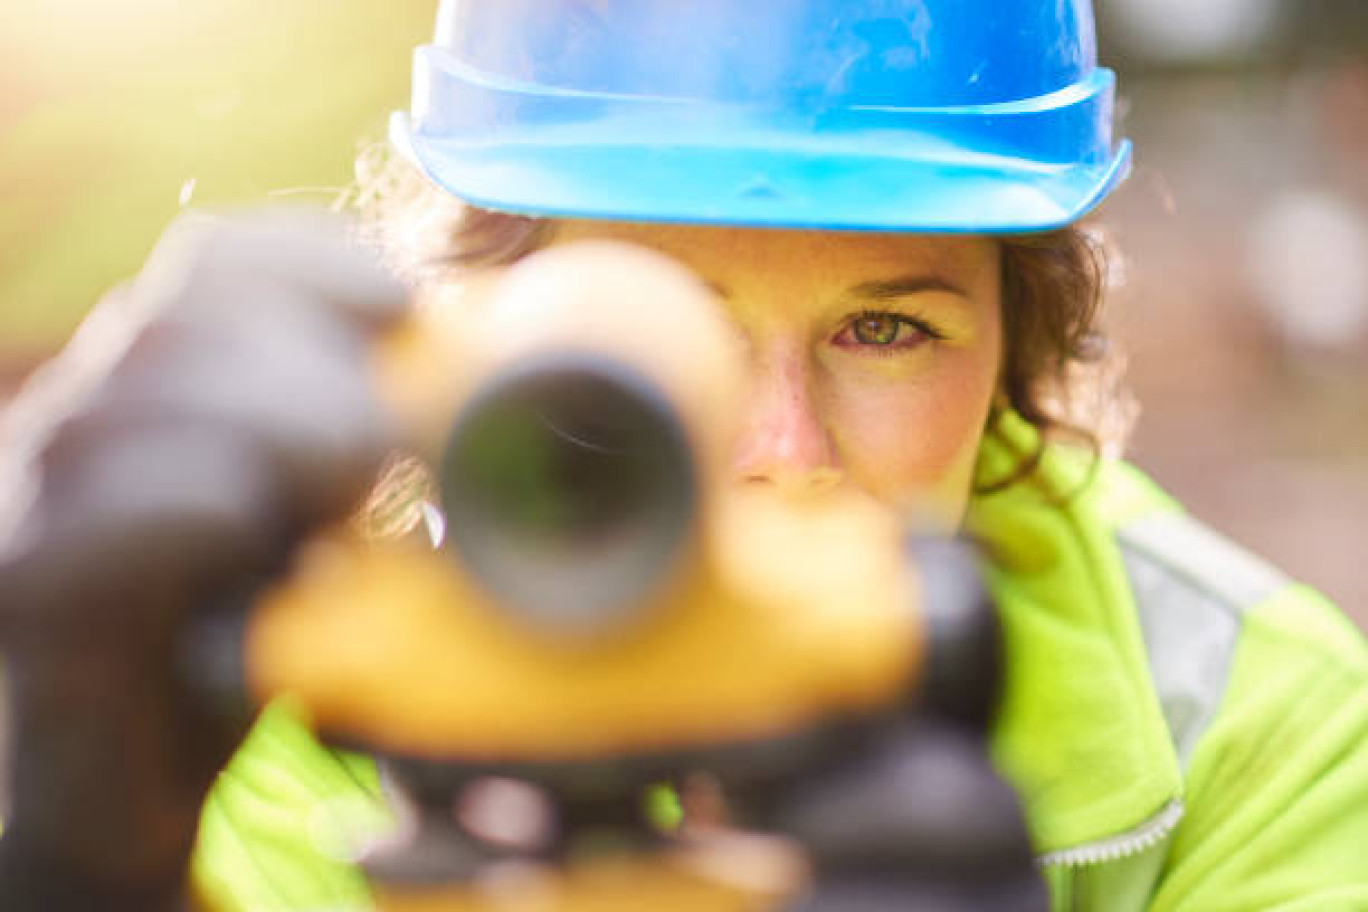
568 486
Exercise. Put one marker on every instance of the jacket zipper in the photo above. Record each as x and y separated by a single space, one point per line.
1137 839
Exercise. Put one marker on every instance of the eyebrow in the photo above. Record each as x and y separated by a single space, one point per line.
886 289
878 290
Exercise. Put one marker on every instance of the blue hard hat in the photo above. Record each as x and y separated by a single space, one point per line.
883 115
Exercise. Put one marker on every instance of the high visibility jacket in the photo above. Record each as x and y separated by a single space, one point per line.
1187 729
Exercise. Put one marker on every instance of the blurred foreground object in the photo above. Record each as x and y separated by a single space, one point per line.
594 613
208 415
597 610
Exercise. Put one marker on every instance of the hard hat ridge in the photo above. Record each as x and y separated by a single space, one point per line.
895 115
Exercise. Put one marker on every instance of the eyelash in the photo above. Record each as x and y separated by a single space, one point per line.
927 332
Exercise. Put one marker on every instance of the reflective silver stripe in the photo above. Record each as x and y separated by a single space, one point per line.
1191 588
1208 561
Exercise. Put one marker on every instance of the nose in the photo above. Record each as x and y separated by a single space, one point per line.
784 439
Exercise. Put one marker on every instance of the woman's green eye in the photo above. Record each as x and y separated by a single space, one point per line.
877 332
877 329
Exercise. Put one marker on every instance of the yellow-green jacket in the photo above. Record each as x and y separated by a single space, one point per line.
1188 729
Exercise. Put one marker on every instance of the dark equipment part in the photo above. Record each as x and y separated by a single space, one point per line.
210 414
912 815
569 490
885 893
962 675
919 816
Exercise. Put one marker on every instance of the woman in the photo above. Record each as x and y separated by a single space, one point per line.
885 198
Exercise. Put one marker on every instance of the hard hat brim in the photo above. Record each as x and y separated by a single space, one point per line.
1030 165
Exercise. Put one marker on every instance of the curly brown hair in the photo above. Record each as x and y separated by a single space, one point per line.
1060 372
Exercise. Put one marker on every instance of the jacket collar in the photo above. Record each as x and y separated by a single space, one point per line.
1080 732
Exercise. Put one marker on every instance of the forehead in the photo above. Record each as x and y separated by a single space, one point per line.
726 253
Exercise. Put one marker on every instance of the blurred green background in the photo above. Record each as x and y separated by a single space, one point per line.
115 114
1245 305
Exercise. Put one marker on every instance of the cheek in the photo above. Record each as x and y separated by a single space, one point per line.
910 440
